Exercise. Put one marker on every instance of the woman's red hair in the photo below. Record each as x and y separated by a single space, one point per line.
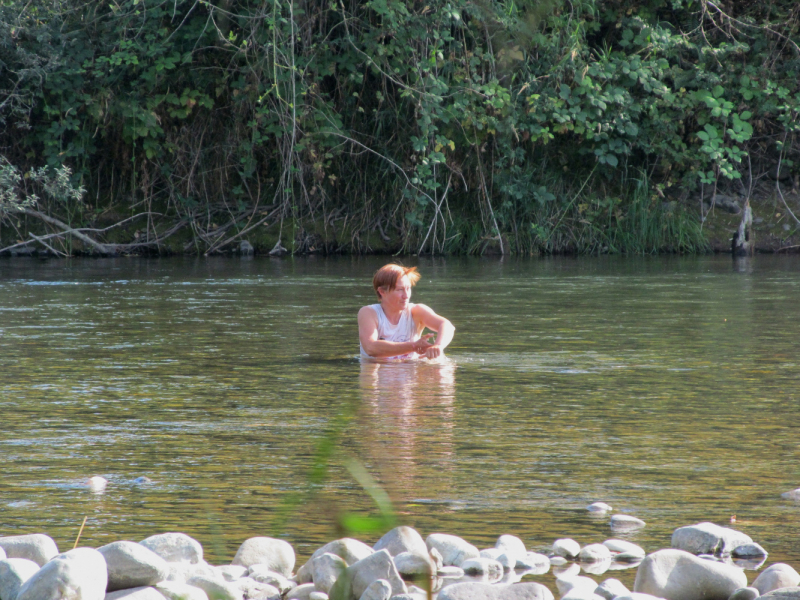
386 277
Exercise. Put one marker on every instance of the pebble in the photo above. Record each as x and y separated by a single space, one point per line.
598 507
622 522
566 547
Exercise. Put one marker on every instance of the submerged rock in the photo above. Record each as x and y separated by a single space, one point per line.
598 507
748 550
708 538
623 522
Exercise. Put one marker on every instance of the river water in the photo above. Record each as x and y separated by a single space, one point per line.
666 387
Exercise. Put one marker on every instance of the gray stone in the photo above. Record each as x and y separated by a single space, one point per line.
611 588
492 553
325 570
136 593
349 549
278 555
175 547
231 572
512 546
436 557
580 594
131 565
679 575
380 589
575 582
708 538
566 570
485 591
37 547
176 590
263 574
745 593
246 248
748 550
216 589
566 547
598 507
533 561
450 572
776 576
637 596
410 564
727 203
13 573
594 553
791 495
356 578
2 554
626 522
256 590
629 549
301 592
454 550
81 573
787 593
184 571
596 568
318 596
402 539
480 566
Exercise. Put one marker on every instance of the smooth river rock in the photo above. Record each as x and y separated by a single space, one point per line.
748 551
598 507
380 589
357 577
77 574
412 565
786 593
629 550
177 590
512 546
454 550
626 522
679 575
263 574
132 565
216 588
482 566
137 593
746 593
325 570
301 592
175 547
256 590
14 572
611 588
569 583
402 539
708 538
594 553
484 591
566 547
232 572
349 549
776 576
37 547
278 555
534 561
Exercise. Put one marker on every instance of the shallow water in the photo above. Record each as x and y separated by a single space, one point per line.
666 387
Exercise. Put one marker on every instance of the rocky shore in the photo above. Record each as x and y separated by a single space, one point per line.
705 562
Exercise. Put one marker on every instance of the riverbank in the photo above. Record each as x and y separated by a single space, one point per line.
705 561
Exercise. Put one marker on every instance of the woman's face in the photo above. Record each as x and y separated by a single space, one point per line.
399 297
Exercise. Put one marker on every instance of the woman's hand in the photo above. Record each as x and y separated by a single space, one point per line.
422 345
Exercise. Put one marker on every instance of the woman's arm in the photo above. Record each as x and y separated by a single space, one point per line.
368 336
444 329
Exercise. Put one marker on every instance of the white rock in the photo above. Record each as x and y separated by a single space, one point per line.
349 549
594 553
626 548
566 547
580 594
492 553
598 507
2 554
263 574
558 561
278 555
380 589
137 593
748 550
575 582
80 572
37 547
325 570
611 588
533 561
746 593
567 570
97 484
596 568
637 596
454 550
453 572
174 590
318 596
175 547
131 565
481 566
624 522
216 588
708 538
411 564
776 576
357 577
231 572
301 592
792 495
436 557
679 575
402 539
13 573
484 591
256 590
788 593
512 546
183 571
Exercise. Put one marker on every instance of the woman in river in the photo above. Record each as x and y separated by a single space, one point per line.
392 329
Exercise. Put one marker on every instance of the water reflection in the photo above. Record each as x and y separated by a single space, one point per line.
409 413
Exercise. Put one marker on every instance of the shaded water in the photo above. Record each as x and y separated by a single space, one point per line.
666 387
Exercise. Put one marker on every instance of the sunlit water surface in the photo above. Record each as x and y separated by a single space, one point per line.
666 387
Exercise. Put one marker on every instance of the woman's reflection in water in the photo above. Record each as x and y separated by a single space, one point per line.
408 410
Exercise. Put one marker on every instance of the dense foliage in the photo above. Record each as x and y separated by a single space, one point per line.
433 126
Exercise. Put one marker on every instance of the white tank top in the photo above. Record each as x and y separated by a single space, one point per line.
404 331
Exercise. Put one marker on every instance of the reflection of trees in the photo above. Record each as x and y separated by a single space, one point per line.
408 423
